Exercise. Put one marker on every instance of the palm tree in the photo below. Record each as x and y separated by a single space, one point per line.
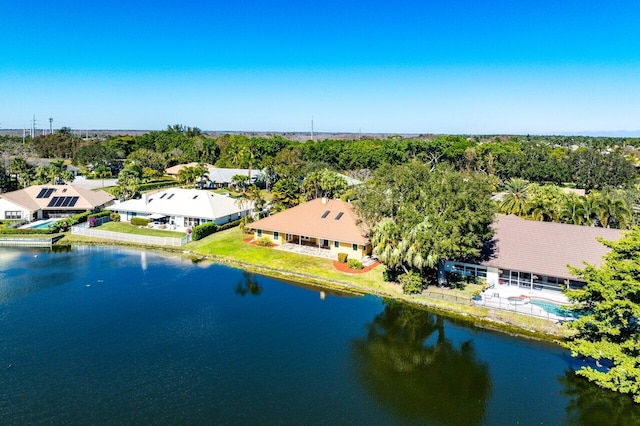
610 210
385 243
515 200
101 172
573 211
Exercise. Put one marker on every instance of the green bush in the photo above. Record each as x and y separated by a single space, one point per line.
25 231
204 230
102 213
229 225
115 217
342 257
264 242
139 221
411 283
244 224
354 264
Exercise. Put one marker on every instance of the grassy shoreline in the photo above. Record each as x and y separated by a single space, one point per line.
227 248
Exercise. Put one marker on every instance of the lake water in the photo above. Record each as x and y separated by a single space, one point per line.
118 336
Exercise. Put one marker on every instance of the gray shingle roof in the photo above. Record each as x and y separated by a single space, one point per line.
546 248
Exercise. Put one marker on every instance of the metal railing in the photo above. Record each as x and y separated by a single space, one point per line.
535 307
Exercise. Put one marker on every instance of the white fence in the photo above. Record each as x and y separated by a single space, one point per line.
83 229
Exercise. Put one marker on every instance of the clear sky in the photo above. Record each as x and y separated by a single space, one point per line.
450 66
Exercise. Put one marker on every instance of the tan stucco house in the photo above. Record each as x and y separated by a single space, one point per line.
330 225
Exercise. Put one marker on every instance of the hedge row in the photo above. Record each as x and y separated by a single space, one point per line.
24 231
204 230
139 221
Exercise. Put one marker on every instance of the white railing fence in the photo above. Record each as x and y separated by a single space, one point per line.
83 229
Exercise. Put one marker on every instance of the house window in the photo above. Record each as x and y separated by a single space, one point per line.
259 233
276 235
336 244
13 215
354 247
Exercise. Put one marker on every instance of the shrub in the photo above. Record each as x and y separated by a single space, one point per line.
204 230
14 231
354 264
244 222
342 257
115 217
139 221
99 214
411 283
229 225
264 242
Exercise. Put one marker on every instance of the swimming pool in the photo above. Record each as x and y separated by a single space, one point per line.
42 225
554 308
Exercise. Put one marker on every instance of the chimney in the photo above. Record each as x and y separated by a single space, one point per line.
145 198
324 200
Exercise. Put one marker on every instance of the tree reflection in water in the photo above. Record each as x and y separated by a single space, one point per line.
593 405
248 285
420 380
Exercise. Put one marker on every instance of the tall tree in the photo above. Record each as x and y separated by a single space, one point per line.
421 217
609 330
515 199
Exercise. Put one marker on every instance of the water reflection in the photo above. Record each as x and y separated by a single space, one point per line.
592 405
419 375
248 285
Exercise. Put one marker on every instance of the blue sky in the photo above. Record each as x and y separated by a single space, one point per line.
407 67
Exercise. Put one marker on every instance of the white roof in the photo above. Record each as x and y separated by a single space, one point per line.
184 202
219 175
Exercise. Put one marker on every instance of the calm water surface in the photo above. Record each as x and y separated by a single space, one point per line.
117 336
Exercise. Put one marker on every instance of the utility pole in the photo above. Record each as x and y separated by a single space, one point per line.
50 125
24 134
33 127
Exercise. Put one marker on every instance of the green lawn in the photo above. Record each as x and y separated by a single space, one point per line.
33 236
127 228
229 245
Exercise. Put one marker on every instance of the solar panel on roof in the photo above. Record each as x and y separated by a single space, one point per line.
325 214
53 201
41 193
73 202
66 202
49 192
339 215
60 201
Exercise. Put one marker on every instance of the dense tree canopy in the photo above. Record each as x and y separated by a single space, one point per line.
421 216
609 330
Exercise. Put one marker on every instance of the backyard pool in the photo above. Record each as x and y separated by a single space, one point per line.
554 308
42 224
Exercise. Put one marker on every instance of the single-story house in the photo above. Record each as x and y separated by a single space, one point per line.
184 208
51 201
222 178
330 225
535 255
174 170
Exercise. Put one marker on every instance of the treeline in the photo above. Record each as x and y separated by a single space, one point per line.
588 163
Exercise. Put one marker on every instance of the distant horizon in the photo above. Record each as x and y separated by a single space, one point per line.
615 133
452 67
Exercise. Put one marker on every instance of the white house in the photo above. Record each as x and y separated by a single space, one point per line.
184 208
51 201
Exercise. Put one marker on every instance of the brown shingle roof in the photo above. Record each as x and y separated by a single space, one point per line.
306 219
547 248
